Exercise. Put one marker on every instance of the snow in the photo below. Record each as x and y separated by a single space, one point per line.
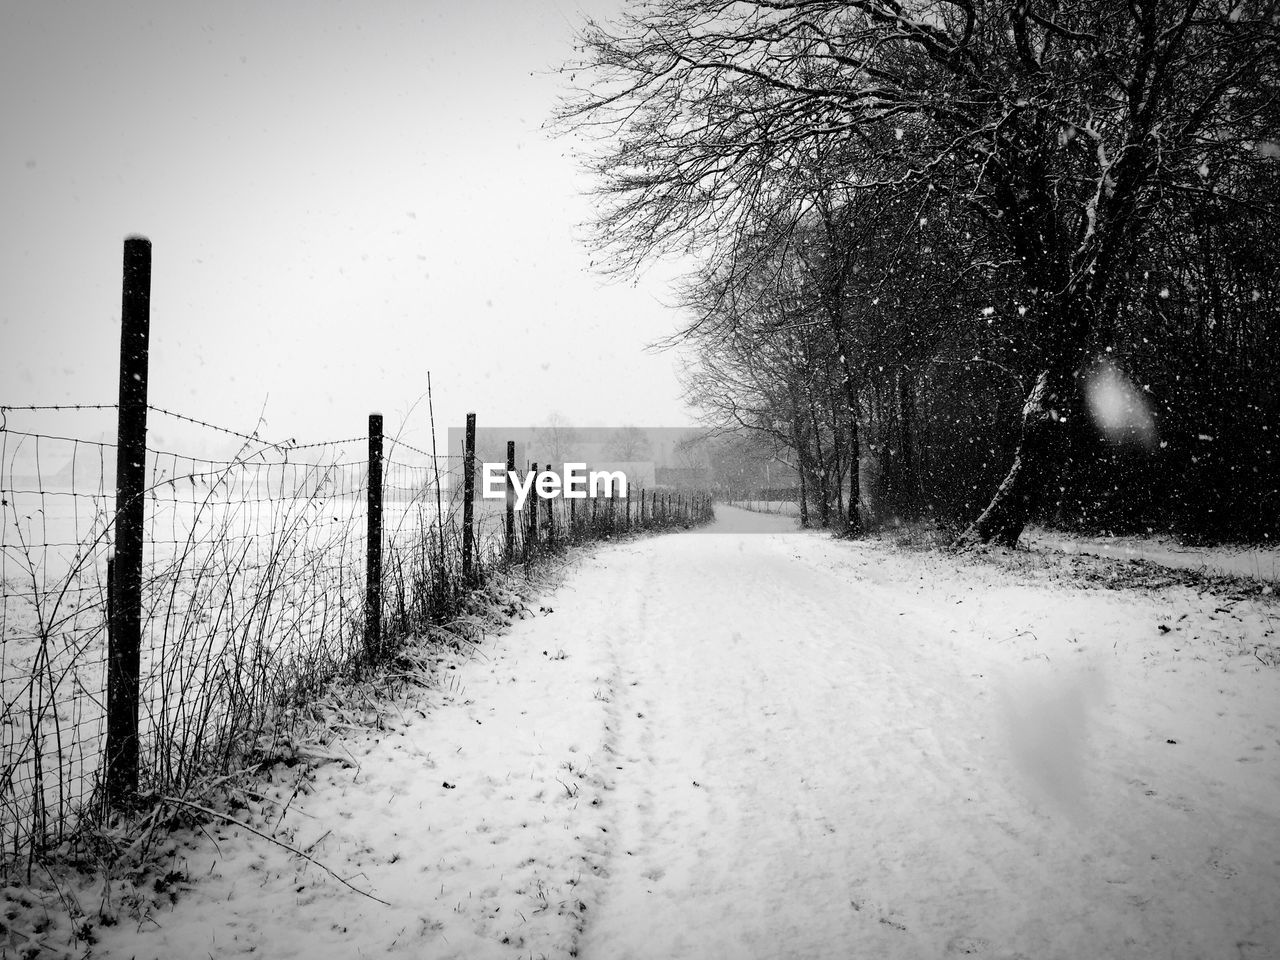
783 507
1249 562
1245 561
770 743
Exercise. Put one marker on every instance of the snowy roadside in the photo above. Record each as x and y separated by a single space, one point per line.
456 810
1247 562
1254 563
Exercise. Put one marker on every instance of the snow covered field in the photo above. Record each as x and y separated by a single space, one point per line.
773 744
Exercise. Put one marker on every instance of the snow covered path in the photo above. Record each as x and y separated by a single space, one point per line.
821 758
767 744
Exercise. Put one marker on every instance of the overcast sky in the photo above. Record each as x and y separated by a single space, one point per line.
341 197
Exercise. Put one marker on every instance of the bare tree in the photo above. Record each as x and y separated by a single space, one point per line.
629 443
557 440
1059 128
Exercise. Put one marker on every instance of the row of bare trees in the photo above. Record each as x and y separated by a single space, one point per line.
950 247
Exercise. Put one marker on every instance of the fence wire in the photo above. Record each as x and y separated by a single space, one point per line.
253 594
54 541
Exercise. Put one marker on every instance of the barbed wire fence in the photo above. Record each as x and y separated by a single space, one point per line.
258 579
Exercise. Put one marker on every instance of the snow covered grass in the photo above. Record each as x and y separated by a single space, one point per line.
252 601
787 508
142 864
1245 561
767 743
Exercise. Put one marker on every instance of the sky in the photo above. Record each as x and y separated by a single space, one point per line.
341 197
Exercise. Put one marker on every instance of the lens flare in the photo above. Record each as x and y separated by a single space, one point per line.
1119 409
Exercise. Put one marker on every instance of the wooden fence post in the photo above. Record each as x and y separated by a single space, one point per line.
551 520
125 577
531 507
468 495
511 501
373 545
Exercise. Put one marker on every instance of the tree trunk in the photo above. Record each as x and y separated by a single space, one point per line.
1038 457
820 468
854 527
837 456
798 440
886 416
909 483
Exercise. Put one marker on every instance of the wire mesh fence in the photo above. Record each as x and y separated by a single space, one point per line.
254 594
53 552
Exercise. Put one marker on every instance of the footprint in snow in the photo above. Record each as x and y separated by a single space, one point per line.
1218 863
976 946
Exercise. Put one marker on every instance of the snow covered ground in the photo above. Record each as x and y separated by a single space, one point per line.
1257 563
783 507
1248 561
773 744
